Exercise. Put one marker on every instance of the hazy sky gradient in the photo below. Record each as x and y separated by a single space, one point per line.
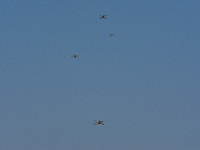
144 81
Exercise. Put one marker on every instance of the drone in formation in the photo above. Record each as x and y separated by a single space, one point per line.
98 122
111 34
103 16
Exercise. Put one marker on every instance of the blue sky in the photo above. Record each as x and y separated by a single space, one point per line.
144 81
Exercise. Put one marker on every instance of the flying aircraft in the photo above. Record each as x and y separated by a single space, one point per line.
75 56
98 122
103 16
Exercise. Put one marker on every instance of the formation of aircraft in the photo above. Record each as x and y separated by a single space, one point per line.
98 122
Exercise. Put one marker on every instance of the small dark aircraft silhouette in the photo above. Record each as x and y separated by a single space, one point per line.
98 122
111 34
103 16
75 56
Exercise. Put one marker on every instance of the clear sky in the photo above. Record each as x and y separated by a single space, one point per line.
144 81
